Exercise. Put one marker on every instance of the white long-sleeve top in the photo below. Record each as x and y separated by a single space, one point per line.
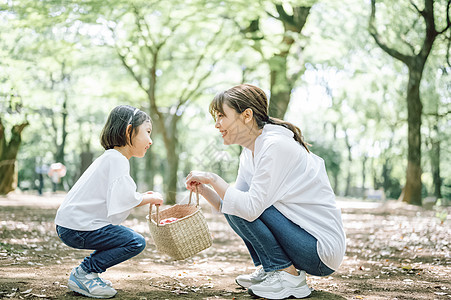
282 173
103 195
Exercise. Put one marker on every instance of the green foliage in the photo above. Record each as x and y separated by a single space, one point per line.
331 156
346 90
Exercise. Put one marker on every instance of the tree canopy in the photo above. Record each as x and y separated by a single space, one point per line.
354 76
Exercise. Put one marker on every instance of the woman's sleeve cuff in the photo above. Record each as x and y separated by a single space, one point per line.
228 203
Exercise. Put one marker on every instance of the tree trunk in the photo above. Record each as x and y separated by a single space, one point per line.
171 173
412 189
171 144
59 156
86 159
365 158
150 170
335 177
280 86
386 170
335 172
435 163
8 154
281 83
348 179
134 169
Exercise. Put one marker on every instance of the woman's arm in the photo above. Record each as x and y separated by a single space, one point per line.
209 194
200 179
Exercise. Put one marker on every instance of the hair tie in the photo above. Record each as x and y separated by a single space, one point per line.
134 113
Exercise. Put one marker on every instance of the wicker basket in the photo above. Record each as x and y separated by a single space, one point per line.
182 238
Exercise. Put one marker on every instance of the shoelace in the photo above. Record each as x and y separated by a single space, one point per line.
105 282
271 278
258 273
98 281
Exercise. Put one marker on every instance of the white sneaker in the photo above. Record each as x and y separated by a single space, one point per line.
106 281
250 279
281 285
89 284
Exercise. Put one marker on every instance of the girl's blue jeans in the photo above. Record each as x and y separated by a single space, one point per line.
113 244
276 243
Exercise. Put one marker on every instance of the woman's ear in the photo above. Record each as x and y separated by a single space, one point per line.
248 115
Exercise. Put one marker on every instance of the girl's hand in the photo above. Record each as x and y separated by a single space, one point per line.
155 198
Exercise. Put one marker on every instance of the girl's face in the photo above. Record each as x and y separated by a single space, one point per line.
141 140
232 127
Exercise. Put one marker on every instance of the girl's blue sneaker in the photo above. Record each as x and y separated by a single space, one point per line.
89 284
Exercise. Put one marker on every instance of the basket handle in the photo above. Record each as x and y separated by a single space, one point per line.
157 207
197 196
157 215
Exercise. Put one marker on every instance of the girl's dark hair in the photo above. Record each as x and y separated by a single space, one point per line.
244 96
114 132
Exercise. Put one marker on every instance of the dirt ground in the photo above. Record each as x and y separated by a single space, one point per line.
395 251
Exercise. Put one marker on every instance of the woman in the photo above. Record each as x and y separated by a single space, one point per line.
282 204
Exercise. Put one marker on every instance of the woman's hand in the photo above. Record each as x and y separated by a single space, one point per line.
198 179
197 188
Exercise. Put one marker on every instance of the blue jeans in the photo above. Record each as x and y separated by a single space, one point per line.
113 244
276 243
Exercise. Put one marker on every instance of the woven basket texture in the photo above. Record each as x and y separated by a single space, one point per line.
182 238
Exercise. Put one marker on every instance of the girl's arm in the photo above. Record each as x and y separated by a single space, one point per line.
200 179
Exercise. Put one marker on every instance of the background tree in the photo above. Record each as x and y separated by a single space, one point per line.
283 54
156 44
436 111
345 87
9 146
415 62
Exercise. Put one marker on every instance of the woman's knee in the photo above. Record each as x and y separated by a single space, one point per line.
237 221
230 218
324 270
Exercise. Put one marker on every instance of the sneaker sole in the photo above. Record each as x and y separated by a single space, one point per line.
247 284
74 287
300 292
244 285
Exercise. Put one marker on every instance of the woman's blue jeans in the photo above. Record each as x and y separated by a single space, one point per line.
276 243
113 244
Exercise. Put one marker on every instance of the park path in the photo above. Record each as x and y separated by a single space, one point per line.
395 251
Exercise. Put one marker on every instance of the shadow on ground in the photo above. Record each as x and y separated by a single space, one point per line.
393 251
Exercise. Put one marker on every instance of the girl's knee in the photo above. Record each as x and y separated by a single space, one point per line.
138 244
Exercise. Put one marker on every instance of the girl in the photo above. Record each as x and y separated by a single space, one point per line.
282 205
102 198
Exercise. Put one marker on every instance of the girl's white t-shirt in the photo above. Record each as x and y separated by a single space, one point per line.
282 173
103 195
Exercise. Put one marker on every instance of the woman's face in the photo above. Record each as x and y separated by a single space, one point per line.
142 140
232 127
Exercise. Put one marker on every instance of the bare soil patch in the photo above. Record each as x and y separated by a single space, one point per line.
395 251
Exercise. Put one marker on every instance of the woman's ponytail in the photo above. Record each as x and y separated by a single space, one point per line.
297 132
